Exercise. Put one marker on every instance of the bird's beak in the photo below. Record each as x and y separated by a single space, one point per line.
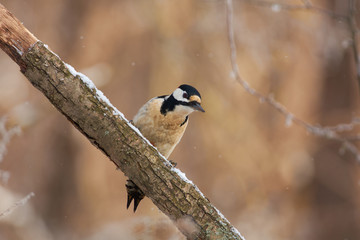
196 106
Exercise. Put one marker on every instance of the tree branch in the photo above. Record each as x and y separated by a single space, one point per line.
75 96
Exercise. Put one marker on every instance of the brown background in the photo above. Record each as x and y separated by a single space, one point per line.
272 181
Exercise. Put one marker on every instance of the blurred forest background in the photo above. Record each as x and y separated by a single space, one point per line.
270 177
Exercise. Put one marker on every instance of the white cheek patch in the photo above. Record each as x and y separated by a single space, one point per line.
183 110
178 95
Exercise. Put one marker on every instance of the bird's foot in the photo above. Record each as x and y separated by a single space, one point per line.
173 163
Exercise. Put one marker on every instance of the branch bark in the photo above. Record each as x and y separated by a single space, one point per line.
91 113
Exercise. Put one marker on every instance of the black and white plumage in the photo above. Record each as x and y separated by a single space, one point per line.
163 120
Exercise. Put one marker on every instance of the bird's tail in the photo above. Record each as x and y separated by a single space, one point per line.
134 192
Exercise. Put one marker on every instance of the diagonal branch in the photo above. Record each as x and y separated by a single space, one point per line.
75 96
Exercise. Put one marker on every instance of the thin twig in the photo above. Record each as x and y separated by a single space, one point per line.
17 204
6 135
307 5
351 22
325 132
344 127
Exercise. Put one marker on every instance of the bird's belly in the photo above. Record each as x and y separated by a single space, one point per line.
161 132
164 139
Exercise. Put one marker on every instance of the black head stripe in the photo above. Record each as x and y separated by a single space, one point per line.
190 90
168 105
170 102
186 119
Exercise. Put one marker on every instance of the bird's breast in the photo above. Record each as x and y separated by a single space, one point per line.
163 131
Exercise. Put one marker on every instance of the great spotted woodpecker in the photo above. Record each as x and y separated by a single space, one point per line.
163 120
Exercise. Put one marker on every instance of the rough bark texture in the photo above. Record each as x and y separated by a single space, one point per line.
14 38
105 128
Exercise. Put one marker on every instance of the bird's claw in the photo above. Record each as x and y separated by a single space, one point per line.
173 163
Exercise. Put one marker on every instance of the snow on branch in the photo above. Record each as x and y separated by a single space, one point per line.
96 118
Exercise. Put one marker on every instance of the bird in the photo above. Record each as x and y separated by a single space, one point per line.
163 120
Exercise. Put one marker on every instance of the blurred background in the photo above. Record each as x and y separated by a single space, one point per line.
270 177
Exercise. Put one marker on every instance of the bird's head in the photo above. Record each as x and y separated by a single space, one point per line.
184 100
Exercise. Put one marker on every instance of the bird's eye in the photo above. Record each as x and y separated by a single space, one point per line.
185 95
